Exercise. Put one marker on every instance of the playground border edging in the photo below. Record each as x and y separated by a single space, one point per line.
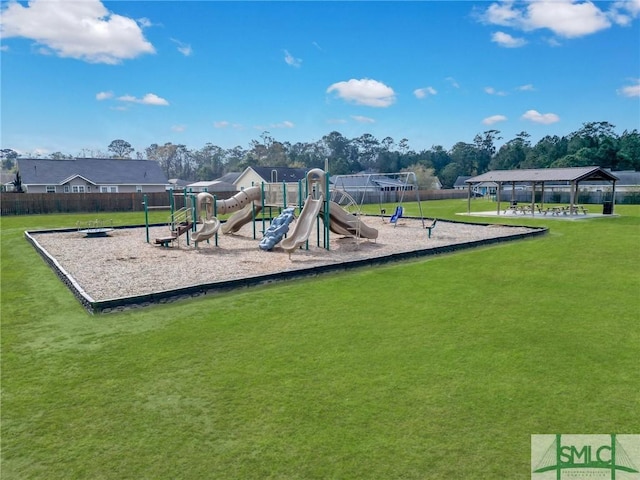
168 296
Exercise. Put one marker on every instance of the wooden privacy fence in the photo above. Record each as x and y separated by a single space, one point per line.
42 203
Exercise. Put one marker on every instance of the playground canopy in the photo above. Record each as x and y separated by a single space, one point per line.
539 176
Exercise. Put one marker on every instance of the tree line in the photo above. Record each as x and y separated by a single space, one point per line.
595 143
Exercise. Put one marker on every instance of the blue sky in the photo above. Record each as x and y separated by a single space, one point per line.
78 74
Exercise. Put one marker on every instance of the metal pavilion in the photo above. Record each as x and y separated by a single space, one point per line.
535 177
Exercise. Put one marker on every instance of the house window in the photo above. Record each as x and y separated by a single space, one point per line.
108 189
77 188
51 189
88 188
66 189
139 188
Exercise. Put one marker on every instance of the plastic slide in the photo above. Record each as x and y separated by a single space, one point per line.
345 223
304 225
240 218
277 229
238 201
208 230
241 201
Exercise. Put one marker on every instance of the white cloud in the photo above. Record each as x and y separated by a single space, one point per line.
424 92
144 22
104 95
291 60
493 91
507 41
285 124
494 119
179 128
148 99
543 118
630 90
565 18
83 30
364 92
226 124
153 99
362 119
453 82
501 14
184 48
526 88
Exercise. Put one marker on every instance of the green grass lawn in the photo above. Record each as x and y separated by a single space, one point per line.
439 368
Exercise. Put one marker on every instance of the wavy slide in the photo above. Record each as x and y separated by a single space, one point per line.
345 223
241 201
208 230
236 221
304 225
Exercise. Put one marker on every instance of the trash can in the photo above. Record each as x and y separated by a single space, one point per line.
607 208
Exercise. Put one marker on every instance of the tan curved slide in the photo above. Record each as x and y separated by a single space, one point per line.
240 218
304 225
238 201
345 223
208 230
241 201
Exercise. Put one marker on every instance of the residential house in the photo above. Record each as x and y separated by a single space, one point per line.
211 186
479 190
91 175
230 177
280 183
177 184
256 175
375 187
6 181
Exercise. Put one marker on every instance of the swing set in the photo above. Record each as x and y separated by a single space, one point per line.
381 188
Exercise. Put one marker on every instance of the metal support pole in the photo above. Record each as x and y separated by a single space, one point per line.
215 214
326 209
146 215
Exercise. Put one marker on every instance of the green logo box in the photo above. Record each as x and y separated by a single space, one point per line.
585 457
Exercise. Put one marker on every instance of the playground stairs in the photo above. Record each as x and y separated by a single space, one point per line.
179 223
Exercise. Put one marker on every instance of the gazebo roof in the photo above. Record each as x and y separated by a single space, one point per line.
573 174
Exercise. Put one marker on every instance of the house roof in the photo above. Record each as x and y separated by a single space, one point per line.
460 181
7 177
203 183
99 171
213 184
230 177
283 174
627 177
573 174
364 180
179 182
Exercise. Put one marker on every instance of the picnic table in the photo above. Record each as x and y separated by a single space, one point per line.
566 210
524 209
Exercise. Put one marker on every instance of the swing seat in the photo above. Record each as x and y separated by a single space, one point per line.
431 226
397 215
